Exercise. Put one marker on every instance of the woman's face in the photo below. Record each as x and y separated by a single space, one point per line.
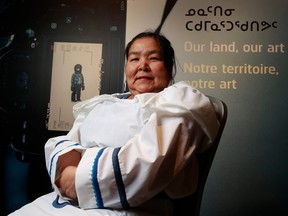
145 69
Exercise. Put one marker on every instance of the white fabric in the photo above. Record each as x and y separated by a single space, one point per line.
156 148
112 124
51 205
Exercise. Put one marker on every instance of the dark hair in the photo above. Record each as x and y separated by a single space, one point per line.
167 50
78 66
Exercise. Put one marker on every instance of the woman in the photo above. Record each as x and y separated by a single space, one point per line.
127 148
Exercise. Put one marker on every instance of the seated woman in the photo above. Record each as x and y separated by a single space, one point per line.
130 153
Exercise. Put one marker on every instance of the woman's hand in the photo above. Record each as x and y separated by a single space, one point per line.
67 166
66 182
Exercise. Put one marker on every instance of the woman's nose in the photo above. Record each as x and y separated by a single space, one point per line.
144 66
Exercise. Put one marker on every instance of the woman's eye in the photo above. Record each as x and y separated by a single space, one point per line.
134 59
154 59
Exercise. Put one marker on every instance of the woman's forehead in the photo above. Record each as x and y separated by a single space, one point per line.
146 45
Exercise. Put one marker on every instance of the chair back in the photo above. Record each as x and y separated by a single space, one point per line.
192 203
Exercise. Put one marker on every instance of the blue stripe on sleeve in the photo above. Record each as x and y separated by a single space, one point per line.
53 157
60 142
118 178
97 192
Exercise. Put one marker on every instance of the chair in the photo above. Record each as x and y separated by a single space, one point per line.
191 205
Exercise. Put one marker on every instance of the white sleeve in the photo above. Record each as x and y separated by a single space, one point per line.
54 148
152 161
60 145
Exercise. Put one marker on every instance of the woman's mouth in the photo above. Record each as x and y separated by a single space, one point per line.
144 78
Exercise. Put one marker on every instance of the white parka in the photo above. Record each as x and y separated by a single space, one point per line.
140 147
